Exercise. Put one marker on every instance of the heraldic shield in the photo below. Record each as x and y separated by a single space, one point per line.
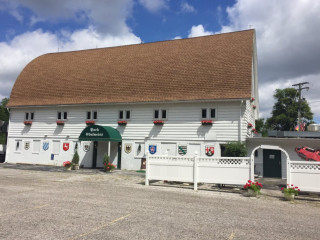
209 150
152 149
182 150
128 147
66 146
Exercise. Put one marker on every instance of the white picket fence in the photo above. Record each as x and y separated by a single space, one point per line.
194 169
305 175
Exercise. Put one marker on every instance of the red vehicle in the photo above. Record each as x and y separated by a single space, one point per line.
309 154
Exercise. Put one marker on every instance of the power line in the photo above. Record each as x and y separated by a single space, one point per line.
300 88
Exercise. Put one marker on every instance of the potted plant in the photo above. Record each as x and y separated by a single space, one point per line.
67 165
27 122
290 192
59 122
122 123
253 188
107 166
206 122
158 122
90 122
75 161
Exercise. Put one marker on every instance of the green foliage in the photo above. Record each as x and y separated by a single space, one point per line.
235 149
261 127
285 110
2 138
4 113
106 163
75 159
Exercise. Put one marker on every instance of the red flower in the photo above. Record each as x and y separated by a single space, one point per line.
298 190
295 187
249 181
292 185
282 188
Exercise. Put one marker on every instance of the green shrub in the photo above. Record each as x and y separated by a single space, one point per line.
235 149
75 159
106 163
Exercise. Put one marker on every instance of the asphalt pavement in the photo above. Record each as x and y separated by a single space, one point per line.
40 202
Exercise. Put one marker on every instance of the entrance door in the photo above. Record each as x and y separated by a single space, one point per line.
119 155
271 163
95 153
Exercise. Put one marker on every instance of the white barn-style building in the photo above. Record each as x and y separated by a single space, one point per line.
173 97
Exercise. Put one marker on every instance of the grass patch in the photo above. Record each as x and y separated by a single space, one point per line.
141 171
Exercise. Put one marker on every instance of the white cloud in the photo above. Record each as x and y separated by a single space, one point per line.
154 5
16 54
104 25
177 37
187 8
108 16
197 31
287 42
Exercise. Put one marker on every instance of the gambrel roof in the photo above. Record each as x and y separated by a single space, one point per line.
202 68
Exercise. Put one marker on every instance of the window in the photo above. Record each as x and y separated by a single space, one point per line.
124 114
160 114
92 115
208 113
29 116
62 115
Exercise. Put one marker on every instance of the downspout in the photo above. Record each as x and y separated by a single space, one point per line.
240 122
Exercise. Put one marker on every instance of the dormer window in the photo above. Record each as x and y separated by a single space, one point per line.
160 114
62 116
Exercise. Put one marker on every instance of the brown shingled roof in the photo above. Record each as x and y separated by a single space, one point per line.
202 68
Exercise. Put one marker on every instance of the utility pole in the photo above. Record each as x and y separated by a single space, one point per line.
300 88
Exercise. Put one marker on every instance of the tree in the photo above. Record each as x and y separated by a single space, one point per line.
261 127
285 110
4 113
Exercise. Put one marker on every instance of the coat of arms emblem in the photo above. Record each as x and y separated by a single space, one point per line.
152 149
86 147
66 146
209 150
45 146
182 149
128 147
26 145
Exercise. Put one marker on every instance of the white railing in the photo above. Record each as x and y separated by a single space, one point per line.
305 175
224 170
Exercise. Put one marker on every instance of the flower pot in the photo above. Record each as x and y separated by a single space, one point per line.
75 167
67 168
251 193
289 197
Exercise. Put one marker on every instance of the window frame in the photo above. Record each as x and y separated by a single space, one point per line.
30 116
124 114
160 113
62 116
208 113
92 113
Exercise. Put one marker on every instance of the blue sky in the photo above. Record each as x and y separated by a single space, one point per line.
287 35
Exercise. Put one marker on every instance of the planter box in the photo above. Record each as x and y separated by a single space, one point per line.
27 122
158 122
122 123
60 122
206 122
90 122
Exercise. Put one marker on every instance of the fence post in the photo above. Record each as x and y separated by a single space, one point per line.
195 171
288 171
147 170
252 167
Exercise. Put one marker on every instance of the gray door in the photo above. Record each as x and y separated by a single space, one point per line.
271 163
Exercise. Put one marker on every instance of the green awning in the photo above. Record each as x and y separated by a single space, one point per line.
100 133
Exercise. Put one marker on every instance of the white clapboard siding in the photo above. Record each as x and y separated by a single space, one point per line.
183 125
